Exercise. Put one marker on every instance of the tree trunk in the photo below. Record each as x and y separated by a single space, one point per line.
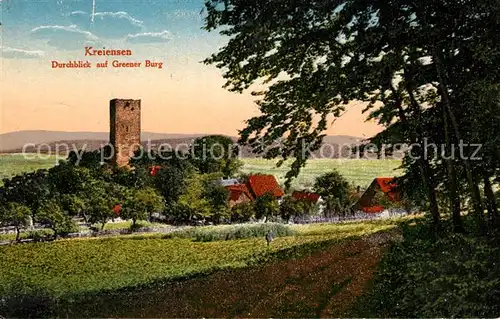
474 188
491 203
102 227
431 194
424 167
452 184
458 226
18 234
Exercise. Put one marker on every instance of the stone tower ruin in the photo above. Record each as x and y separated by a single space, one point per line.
124 129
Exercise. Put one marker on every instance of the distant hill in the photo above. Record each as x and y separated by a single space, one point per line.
16 140
57 142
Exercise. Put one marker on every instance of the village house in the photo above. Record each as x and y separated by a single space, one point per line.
256 186
309 197
384 186
238 193
262 184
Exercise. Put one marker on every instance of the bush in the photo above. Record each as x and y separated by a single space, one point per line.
242 212
40 234
230 232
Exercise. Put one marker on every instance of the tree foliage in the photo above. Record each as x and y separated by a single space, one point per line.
215 154
141 203
51 213
267 207
15 214
335 191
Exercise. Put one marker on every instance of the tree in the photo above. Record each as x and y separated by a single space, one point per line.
266 206
51 213
89 159
136 178
68 179
217 196
291 207
171 182
74 205
29 189
141 203
15 214
214 154
192 204
335 191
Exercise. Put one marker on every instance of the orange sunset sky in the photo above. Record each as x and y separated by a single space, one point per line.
184 96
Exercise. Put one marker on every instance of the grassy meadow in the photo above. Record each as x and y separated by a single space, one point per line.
358 171
14 164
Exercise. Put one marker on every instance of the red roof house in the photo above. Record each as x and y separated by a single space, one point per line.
262 184
238 193
306 196
384 185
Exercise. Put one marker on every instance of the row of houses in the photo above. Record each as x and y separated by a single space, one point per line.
258 185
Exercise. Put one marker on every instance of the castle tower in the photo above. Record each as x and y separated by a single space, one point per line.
124 129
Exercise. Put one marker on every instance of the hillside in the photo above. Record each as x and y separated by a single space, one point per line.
15 140
63 142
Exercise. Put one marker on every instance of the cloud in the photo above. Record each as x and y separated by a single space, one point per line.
65 37
80 18
149 37
107 24
11 53
185 14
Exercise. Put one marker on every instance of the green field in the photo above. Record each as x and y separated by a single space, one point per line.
357 171
13 164
89 265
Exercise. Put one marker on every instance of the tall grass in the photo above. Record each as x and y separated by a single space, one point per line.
229 232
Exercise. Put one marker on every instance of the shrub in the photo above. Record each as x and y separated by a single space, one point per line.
242 212
40 234
291 207
230 232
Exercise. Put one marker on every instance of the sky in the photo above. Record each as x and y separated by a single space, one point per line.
184 96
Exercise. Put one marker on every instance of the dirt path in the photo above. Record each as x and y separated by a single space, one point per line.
324 284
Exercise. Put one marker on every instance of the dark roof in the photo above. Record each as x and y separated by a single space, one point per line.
262 184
